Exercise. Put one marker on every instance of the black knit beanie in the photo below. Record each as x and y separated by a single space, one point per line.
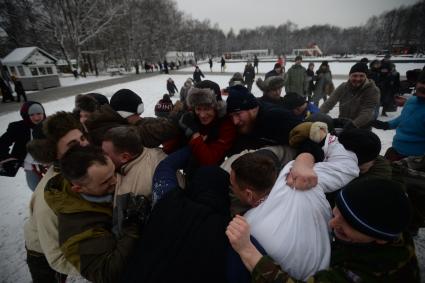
127 103
359 68
364 143
292 100
240 99
376 207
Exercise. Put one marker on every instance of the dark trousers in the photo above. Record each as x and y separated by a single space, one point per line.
19 94
40 270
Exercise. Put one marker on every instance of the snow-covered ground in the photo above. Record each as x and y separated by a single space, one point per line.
69 80
15 195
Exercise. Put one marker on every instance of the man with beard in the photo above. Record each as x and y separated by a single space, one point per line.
358 98
259 124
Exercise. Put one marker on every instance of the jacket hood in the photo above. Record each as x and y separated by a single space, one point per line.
24 113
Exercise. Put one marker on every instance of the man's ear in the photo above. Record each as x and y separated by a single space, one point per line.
250 194
76 188
125 157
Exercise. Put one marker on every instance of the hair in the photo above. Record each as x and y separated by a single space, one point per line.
263 166
298 58
125 139
86 103
77 160
59 124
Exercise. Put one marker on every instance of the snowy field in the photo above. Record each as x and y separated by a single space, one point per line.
15 196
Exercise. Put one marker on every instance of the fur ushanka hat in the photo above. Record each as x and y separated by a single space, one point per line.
205 96
271 83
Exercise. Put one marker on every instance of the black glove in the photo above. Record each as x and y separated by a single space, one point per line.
380 125
313 148
138 209
189 124
340 122
349 125
10 167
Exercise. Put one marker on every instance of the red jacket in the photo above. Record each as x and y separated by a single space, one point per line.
220 137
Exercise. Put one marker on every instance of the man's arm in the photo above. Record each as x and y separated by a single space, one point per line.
164 178
263 268
330 103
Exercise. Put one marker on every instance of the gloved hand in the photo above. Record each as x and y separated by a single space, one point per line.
313 148
189 124
341 122
138 209
380 125
9 167
349 125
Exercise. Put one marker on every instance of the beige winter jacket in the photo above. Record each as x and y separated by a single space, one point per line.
41 229
135 177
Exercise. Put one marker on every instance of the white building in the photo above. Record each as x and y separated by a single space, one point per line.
34 67
182 56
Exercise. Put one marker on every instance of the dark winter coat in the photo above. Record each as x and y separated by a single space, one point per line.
357 104
163 108
184 239
18 134
296 80
197 76
389 85
249 74
171 87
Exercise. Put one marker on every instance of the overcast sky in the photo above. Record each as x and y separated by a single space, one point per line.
241 14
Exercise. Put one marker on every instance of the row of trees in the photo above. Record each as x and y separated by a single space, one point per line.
129 31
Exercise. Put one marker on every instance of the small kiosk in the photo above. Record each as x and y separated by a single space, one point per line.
34 67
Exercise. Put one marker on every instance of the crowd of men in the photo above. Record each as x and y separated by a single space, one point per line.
245 189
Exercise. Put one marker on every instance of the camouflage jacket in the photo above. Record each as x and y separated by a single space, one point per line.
392 262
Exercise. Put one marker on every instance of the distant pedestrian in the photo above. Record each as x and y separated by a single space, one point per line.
210 61
256 63
223 64
311 78
249 75
171 87
296 78
5 91
324 85
165 66
19 89
185 88
197 75
277 71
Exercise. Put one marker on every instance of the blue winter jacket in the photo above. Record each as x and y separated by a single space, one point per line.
409 139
